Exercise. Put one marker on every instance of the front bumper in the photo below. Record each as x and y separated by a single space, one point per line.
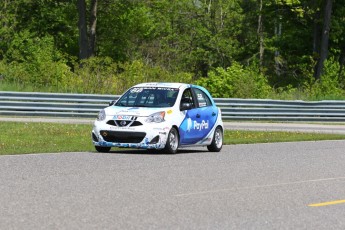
149 136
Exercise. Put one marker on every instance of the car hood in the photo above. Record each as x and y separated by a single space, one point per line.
132 111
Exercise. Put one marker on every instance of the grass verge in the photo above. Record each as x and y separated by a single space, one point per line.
251 137
21 138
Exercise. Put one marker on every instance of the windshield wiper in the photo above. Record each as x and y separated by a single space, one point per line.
120 104
141 105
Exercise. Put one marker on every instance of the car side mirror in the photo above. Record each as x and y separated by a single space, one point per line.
185 106
112 102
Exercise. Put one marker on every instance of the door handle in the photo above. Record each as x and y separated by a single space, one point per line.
213 114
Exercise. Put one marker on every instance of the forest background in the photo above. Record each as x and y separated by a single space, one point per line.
286 49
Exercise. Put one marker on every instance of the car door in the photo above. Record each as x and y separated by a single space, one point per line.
206 114
199 119
190 115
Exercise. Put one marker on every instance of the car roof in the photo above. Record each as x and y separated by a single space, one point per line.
162 84
174 85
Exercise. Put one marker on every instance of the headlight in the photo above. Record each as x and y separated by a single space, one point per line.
156 117
101 115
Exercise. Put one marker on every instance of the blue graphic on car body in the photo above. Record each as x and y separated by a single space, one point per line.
197 124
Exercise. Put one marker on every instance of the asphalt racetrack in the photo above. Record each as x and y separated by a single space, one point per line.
262 186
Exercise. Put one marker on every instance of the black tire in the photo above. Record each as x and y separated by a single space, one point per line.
173 141
102 149
217 141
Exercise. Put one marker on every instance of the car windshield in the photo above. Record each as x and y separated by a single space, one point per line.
149 97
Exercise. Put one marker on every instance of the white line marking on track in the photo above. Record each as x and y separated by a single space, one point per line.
258 186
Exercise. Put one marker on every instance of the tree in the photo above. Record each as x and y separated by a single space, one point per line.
194 36
82 26
324 39
337 37
7 24
260 36
87 34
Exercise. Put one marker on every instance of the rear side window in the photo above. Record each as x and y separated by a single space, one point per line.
202 98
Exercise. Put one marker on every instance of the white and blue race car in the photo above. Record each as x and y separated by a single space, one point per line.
161 116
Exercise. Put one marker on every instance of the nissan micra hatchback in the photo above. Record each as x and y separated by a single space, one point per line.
160 116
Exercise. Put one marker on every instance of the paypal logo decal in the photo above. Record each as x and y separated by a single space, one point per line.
197 125
200 126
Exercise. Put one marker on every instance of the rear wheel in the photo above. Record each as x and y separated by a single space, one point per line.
102 149
172 141
217 141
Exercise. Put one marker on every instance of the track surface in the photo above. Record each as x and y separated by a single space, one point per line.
262 186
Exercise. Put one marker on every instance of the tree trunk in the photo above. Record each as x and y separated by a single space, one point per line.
261 37
82 26
324 39
93 21
277 34
316 34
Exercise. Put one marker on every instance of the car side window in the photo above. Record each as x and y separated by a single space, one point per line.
187 97
202 98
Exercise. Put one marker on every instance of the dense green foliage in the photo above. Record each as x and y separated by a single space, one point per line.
256 49
235 81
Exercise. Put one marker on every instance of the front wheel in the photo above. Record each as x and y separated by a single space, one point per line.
102 149
217 141
172 141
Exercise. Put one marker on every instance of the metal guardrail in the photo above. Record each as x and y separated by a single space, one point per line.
88 105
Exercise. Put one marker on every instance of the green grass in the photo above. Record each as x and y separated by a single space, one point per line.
21 138
250 137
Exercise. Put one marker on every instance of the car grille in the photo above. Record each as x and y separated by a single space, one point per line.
123 123
122 137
